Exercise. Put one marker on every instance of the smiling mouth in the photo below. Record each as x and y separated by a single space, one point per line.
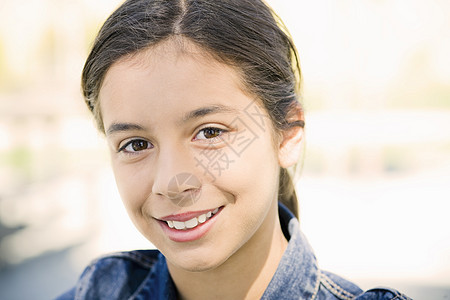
193 222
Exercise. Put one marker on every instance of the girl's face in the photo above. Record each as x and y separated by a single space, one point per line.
190 150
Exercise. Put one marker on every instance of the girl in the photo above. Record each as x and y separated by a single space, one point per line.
198 100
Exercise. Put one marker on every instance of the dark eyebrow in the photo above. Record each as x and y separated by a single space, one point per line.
117 127
203 111
200 112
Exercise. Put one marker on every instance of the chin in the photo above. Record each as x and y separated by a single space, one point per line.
197 263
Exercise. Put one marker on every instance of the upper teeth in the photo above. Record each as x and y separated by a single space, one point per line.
192 222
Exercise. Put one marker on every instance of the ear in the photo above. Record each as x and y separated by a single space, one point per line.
291 144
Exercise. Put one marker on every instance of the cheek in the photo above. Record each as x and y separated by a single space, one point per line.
253 174
134 186
255 163
252 184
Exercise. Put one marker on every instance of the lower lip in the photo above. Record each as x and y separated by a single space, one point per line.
189 235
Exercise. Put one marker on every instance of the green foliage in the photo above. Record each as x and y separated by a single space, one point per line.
19 158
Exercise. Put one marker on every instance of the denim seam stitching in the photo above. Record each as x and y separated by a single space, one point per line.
133 256
141 286
316 286
335 288
400 297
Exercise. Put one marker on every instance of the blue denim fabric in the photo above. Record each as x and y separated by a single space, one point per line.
143 274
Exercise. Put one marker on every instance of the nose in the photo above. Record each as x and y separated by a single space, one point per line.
175 179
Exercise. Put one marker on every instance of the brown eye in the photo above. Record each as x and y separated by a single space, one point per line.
136 146
210 133
139 145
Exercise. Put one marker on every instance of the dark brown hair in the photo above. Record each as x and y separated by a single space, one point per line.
245 34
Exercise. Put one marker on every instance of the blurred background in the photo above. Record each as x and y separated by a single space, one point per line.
375 188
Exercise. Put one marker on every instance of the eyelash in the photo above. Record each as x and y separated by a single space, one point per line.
213 139
129 143
149 145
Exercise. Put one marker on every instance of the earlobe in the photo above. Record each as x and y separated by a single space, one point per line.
291 147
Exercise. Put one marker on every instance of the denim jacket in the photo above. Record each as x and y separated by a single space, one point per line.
143 274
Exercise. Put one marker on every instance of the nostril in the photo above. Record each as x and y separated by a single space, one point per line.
184 189
183 182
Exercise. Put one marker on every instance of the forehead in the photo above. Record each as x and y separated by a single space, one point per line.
176 52
179 53
168 77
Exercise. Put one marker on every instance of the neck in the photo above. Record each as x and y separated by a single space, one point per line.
246 273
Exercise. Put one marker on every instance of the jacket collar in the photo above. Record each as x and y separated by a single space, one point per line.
297 275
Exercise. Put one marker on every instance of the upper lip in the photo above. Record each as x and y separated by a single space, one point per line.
186 216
